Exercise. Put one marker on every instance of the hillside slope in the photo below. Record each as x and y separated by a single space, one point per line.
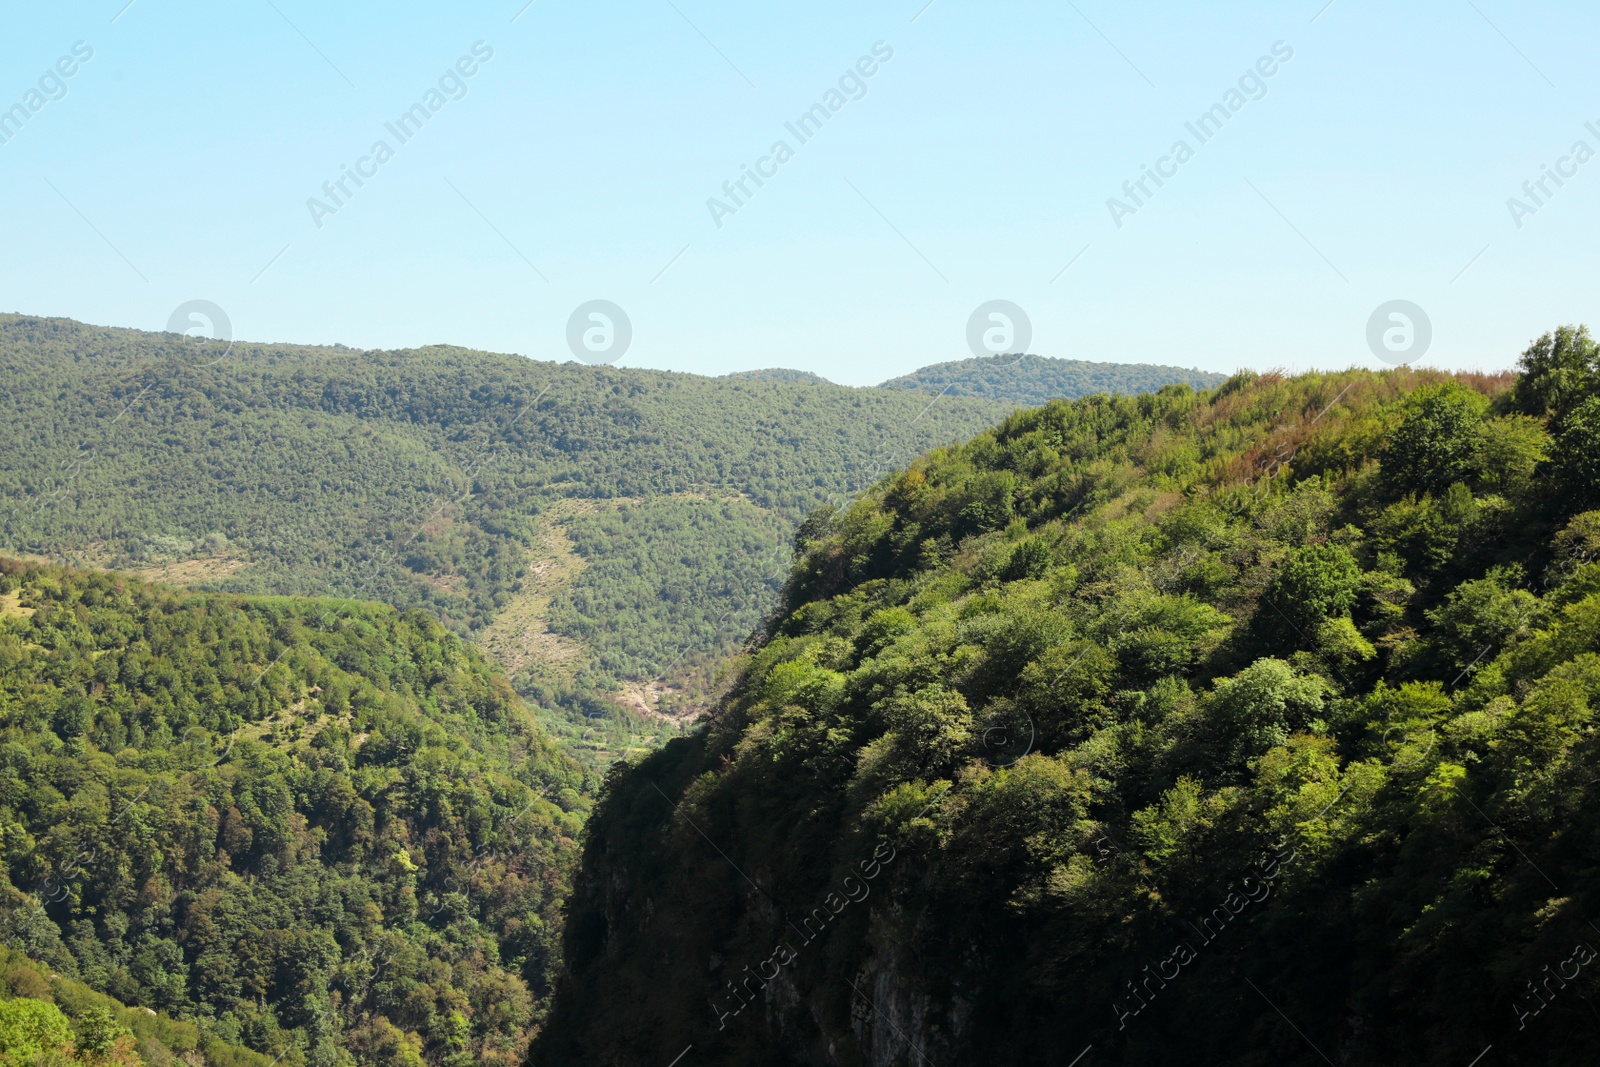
325 830
48 1019
1030 380
1259 726
435 477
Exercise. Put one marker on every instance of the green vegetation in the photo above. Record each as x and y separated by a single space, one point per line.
324 830
1254 726
675 602
50 1021
779 374
425 479
1028 380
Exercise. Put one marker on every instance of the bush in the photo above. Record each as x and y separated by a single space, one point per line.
31 1028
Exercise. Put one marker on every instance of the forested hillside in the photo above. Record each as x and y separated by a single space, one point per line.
48 1019
1256 726
321 829
446 479
1029 380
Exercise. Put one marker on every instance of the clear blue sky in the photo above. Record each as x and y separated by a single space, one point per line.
977 165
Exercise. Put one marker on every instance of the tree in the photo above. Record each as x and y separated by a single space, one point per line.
1511 451
1314 584
927 730
1479 617
1260 706
1577 453
1437 442
98 1030
1558 370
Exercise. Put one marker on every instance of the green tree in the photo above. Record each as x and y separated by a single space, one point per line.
1478 617
1315 583
1437 442
1559 370
1577 453
98 1030
927 730
1511 451
1260 706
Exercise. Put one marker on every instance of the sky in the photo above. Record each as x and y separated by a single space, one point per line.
985 156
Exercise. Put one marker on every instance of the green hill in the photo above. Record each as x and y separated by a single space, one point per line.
324 830
619 524
1029 380
1258 726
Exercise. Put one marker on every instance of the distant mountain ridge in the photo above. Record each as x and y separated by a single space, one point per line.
533 505
779 374
1022 380
1030 380
589 525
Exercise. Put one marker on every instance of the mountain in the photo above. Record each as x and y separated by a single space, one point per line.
1257 726
593 528
607 535
325 830
1029 380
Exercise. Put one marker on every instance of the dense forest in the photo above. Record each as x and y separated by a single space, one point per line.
429 478
1029 380
432 477
322 830
1249 726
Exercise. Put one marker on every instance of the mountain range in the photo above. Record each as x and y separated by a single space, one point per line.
439 708
599 531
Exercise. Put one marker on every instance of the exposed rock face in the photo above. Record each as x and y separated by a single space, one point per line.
848 995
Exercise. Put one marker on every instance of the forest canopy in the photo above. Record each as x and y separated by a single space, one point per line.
1255 725
323 830
433 478
1029 380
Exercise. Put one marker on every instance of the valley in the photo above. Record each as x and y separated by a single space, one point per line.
603 534
612 732
999 592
